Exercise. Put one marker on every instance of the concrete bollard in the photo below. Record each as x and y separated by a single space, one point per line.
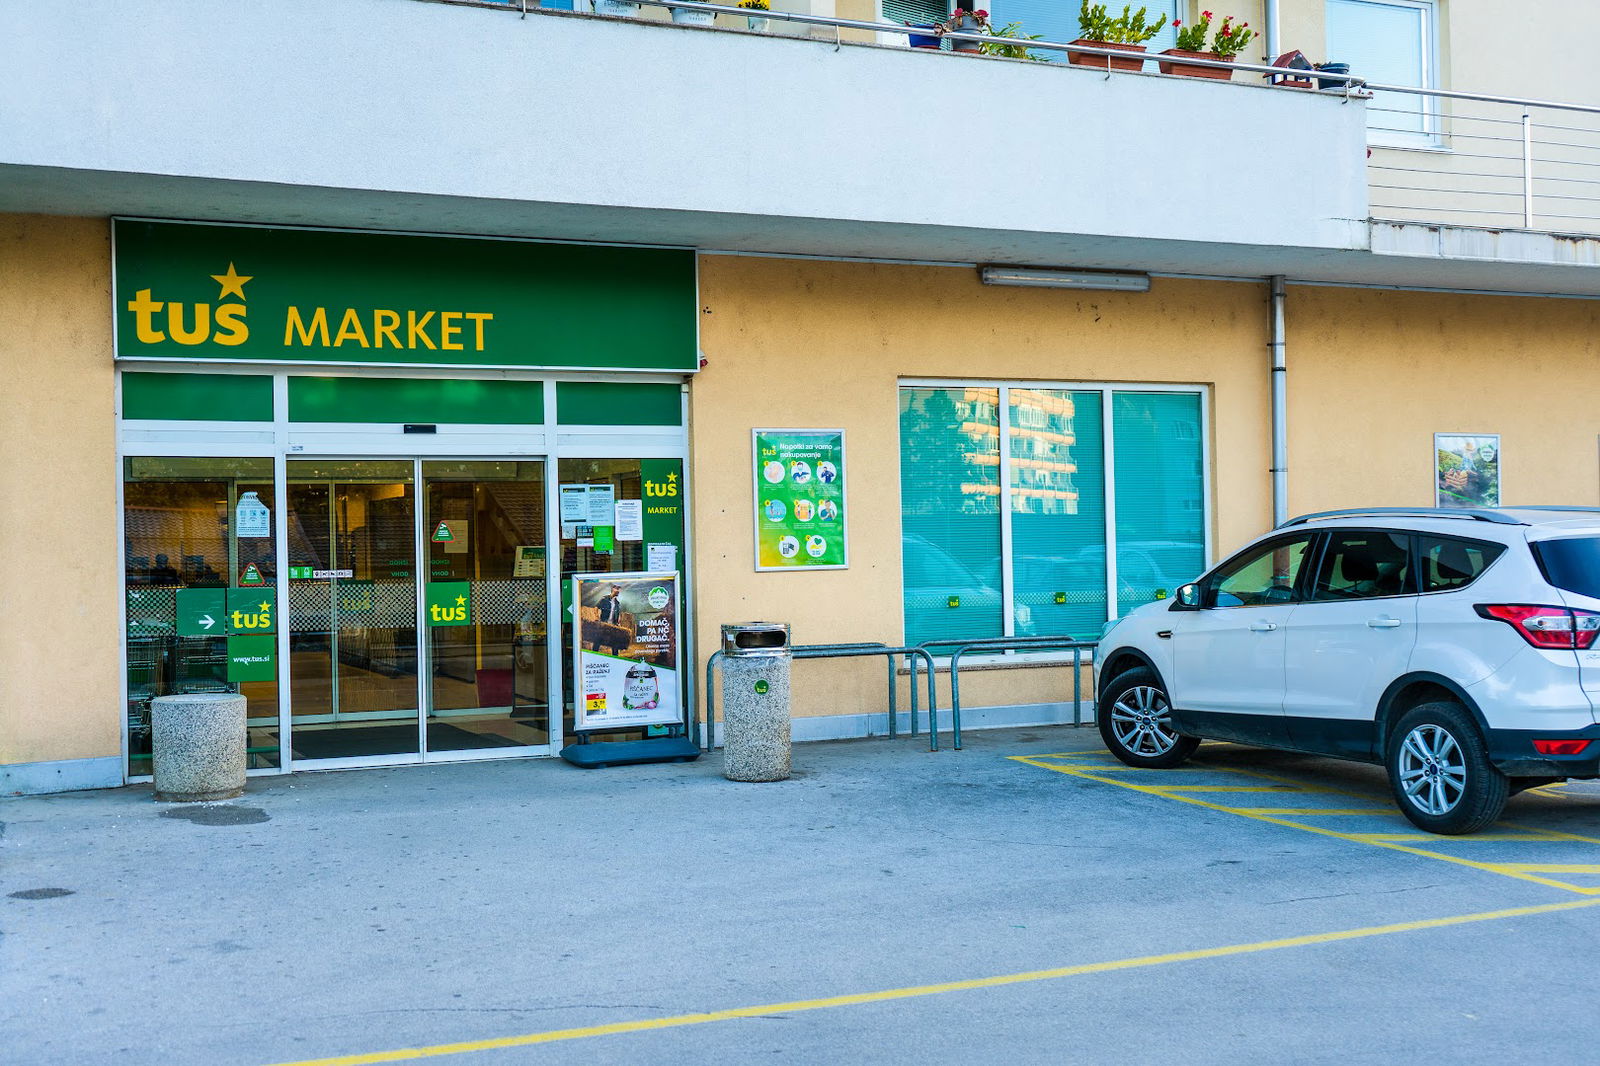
197 744
755 702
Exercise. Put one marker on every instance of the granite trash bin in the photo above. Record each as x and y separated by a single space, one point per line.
197 744
755 701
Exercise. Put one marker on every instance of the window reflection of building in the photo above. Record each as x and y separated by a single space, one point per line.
1042 438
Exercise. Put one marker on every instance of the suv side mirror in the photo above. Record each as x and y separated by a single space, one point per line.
1188 598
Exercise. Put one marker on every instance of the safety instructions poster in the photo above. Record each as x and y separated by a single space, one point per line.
800 499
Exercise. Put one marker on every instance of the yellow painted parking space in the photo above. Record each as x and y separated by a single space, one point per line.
767 1010
1325 820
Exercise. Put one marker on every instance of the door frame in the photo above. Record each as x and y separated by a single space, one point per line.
280 440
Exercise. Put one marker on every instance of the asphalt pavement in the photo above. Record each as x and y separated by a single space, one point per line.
886 905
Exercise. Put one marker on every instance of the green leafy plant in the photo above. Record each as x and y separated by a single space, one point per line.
1130 27
1230 39
1192 38
1012 51
755 5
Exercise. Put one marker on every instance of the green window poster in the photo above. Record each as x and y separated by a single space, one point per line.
449 603
799 480
252 658
202 613
252 610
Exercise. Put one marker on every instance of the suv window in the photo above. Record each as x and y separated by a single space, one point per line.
1448 563
1363 564
1571 563
1260 578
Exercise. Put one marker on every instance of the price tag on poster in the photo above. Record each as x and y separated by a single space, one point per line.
800 499
626 650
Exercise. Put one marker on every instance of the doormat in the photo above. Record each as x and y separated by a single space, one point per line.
353 742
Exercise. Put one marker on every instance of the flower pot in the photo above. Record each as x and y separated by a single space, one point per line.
1081 60
1189 70
685 17
1333 68
620 8
757 23
920 41
968 25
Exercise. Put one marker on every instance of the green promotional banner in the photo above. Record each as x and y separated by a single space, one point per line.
449 603
252 610
202 612
252 658
800 499
272 294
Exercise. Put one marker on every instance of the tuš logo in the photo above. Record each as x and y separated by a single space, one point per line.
194 323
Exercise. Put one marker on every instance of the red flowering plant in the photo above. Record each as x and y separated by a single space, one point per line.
1192 38
953 24
1230 39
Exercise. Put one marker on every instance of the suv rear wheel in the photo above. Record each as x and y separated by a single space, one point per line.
1135 720
1440 772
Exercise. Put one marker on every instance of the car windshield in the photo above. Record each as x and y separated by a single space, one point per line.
1571 563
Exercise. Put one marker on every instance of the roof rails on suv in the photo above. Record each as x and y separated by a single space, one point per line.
1500 517
1475 514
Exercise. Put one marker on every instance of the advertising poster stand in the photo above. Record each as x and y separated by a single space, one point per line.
627 669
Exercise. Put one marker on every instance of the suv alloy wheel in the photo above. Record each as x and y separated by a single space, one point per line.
1135 720
1440 772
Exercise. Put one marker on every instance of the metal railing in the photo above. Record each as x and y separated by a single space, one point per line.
1483 161
845 651
958 648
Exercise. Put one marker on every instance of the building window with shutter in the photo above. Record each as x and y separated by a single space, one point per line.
1390 42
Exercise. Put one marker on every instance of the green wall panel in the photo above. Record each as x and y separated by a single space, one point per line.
198 397
194 291
604 403
501 403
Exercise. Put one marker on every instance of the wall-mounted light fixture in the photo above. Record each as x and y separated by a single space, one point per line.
1046 278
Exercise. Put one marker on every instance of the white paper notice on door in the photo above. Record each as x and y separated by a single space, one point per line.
602 505
630 519
661 558
574 504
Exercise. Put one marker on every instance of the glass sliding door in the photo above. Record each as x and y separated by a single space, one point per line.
353 609
485 613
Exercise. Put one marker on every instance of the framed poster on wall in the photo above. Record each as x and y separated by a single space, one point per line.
626 649
799 499
1466 469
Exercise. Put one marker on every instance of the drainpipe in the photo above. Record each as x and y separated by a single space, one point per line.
1270 30
1280 400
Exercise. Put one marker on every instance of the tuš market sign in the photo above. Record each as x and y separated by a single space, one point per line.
196 291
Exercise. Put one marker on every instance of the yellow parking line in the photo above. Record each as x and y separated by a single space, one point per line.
1475 838
1275 789
1300 812
917 991
1553 867
1270 819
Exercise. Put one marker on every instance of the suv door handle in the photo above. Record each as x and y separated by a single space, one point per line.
1263 627
1383 623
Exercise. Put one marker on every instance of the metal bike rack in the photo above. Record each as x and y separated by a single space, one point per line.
958 648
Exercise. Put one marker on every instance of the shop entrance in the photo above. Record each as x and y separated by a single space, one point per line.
416 609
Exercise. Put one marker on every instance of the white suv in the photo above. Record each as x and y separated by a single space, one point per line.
1456 647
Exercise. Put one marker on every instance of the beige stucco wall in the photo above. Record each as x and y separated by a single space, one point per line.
807 343
59 568
1374 374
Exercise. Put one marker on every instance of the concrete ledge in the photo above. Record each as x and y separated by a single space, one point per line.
66 775
857 726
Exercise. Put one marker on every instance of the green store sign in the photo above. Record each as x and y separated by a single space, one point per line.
198 291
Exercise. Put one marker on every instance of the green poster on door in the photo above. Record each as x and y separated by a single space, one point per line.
252 658
202 613
799 499
252 611
449 603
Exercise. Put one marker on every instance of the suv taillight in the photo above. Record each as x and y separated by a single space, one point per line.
1546 627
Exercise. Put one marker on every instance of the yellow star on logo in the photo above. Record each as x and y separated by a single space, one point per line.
671 477
232 283
461 601
265 607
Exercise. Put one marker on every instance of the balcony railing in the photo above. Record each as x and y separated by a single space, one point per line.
1437 157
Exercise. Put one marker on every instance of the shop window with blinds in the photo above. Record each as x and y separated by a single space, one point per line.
1031 546
916 12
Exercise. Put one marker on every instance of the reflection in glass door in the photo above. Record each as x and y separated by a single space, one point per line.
487 664
352 609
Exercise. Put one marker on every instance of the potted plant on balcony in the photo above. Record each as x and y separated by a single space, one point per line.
688 17
1191 44
756 22
1126 33
964 21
